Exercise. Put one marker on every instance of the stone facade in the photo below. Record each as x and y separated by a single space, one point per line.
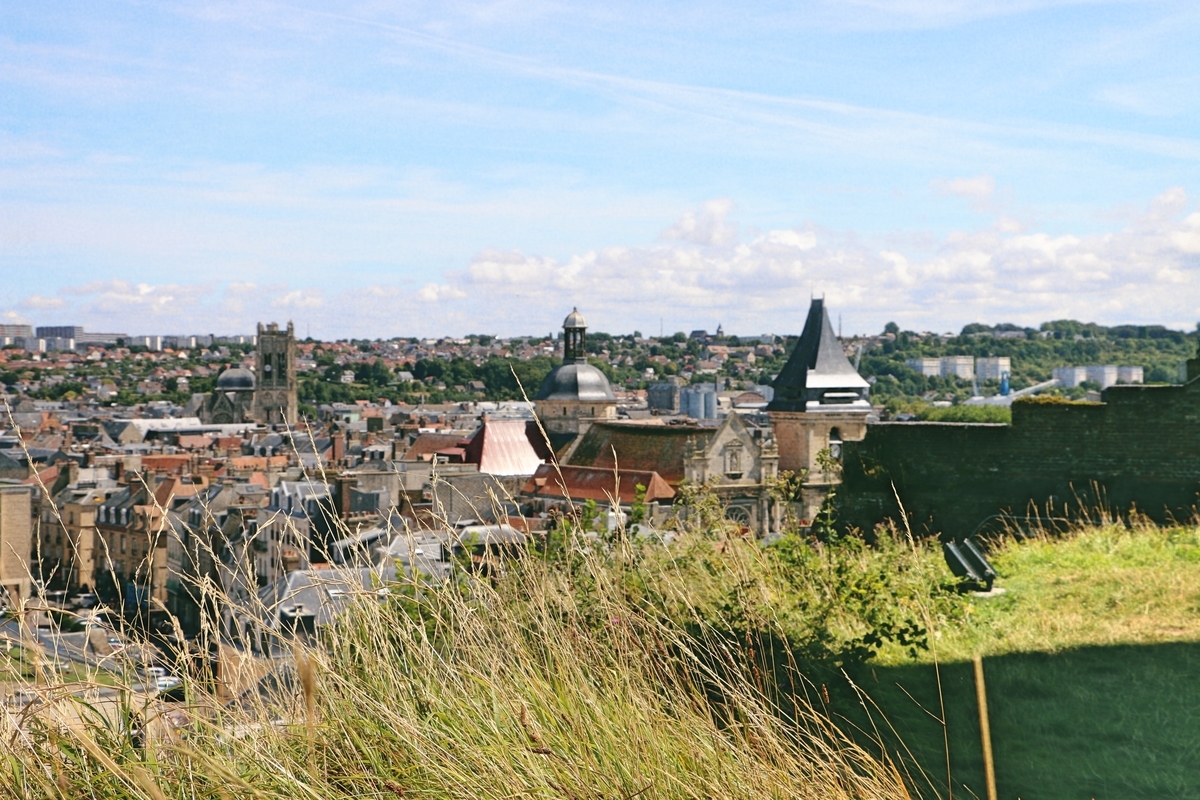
820 403
16 541
275 397
575 395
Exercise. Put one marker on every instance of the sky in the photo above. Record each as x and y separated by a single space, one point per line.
376 169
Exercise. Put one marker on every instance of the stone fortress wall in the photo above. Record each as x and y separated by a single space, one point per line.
1139 448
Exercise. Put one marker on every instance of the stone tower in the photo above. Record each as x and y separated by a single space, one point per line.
276 390
820 402
575 394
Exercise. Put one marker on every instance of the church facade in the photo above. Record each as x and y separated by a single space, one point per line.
268 395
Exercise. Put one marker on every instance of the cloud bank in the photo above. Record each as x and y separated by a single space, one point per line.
703 270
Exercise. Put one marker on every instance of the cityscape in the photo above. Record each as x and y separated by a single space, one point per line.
555 400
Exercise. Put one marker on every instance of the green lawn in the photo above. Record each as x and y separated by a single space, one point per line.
1092 661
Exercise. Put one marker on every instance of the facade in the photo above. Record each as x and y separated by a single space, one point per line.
1130 375
738 463
232 401
1105 375
56 332
269 395
664 397
275 399
962 367
1069 376
929 367
16 541
993 368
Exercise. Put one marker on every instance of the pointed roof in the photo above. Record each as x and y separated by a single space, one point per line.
818 367
507 447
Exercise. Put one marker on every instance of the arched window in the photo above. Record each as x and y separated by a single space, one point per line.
835 443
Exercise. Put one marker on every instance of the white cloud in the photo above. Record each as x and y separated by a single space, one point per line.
1146 271
434 293
705 227
36 301
980 187
300 298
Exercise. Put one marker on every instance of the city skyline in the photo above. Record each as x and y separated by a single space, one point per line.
477 166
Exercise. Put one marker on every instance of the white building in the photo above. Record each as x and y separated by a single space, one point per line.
1070 376
958 367
929 367
1130 375
993 368
1103 374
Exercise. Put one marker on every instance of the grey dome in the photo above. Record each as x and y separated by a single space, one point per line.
236 379
576 382
574 320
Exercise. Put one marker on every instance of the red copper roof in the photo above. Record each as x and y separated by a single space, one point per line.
507 447
587 483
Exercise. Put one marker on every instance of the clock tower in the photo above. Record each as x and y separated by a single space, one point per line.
276 390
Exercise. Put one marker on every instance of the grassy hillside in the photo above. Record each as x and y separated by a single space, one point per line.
711 668
1091 659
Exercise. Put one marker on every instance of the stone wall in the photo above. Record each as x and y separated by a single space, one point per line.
1140 448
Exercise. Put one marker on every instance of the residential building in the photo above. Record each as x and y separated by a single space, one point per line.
1130 375
16 542
993 367
929 367
962 367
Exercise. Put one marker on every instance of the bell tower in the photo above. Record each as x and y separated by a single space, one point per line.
275 397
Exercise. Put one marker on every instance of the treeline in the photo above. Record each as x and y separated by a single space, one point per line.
1034 355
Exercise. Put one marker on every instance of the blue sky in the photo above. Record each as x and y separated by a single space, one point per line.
379 169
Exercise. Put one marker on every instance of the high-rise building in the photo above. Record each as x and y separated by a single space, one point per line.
993 368
9 331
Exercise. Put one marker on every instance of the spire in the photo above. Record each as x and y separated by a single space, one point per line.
818 376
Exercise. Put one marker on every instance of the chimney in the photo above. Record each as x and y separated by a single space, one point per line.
344 485
339 447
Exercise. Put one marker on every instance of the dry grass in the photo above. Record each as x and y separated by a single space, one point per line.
554 682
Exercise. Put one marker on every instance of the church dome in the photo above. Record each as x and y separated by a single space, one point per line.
575 381
236 379
574 320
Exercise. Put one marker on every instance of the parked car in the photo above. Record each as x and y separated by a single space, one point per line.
87 600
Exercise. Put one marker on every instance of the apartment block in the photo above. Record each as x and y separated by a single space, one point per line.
16 543
929 367
993 368
958 367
